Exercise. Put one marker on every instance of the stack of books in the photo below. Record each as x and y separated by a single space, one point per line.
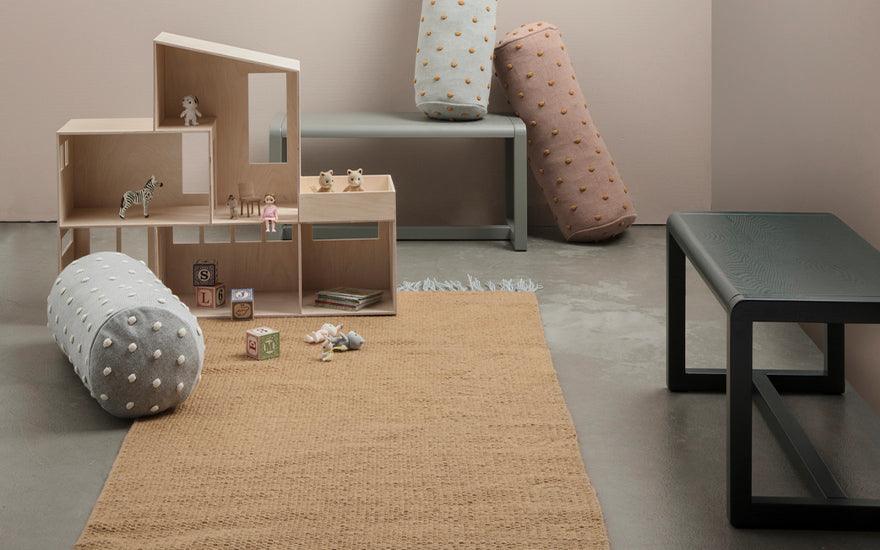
347 298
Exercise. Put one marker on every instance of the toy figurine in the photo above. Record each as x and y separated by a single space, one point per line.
270 213
325 182
355 180
343 342
232 205
190 113
142 196
348 342
327 331
327 351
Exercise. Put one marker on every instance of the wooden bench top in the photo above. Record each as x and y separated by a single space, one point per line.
779 256
403 125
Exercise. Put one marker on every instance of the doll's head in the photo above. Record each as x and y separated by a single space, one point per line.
269 199
325 179
356 177
190 102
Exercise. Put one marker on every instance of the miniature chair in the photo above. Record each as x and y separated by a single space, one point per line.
247 195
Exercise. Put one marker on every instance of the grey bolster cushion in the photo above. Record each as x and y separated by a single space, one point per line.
134 345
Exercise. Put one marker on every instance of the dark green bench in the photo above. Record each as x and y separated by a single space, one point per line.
805 268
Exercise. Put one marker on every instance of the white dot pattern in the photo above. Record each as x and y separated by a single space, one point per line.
115 336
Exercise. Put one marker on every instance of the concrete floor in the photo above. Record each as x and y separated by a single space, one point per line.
656 459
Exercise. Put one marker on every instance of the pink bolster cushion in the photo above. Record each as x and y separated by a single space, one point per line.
566 151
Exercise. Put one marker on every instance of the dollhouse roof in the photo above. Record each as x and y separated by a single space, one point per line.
229 52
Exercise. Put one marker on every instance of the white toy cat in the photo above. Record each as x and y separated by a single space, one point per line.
190 113
355 180
325 182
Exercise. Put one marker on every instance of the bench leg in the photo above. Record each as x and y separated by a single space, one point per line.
678 378
739 421
517 194
835 352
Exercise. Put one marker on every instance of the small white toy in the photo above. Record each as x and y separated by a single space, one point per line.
270 213
190 113
343 342
141 196
327 331
327 351
355 180
325 182
232 205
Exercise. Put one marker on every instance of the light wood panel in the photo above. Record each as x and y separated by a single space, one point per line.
105 166
286 214
159 217
365 263
109 157
270 266
221 85
266 304
271 61
377 202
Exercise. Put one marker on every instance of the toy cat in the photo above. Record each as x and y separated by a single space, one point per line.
190 113
325 182
355 180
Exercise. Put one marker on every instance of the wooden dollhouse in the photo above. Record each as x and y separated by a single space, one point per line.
200 167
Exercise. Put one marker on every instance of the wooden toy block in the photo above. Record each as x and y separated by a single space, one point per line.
263 343
204 273
211 296
242 300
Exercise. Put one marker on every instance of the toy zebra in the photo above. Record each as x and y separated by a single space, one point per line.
143 196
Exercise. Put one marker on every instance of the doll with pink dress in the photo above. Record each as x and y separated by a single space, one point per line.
270 213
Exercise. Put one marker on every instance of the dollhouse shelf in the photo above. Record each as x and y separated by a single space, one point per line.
267 304
159 217
200 166
384 307
376 202
286 214
176 124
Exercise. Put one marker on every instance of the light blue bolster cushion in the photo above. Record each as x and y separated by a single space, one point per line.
454 58
135 346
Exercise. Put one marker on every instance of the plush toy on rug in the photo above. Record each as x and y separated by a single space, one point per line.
343 342
327 331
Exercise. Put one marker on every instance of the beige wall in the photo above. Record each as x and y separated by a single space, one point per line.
645 66
796 123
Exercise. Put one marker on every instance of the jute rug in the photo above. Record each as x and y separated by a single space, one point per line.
448 430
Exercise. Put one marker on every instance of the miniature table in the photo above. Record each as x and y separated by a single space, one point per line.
804 268
416 125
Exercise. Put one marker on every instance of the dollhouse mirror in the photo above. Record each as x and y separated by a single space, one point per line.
267 104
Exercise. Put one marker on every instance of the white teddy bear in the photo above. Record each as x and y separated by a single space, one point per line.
190 113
